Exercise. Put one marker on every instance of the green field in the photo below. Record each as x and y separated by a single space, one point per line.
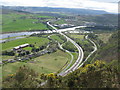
104 37
44 64
5 57
31 40
23 25
60 22
44 16
76 36
69 46
57 38
22 22
75 55
27 48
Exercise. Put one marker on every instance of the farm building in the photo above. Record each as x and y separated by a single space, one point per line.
20 46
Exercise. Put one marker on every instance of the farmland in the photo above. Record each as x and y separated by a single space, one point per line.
77 36
45 47
14 22
38 41
44 64
104 37
60 22
57 38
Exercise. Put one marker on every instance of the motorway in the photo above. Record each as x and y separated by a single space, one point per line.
72 57
80 53
78 62
95 49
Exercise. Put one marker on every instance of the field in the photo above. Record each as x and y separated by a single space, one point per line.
27 48
77 36
56 38
44 64
75 56
5 57
44 16
22 22
60 22
69 46
104 37
37 41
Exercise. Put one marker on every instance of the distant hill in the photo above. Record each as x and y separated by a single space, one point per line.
7 11
56 10
110 19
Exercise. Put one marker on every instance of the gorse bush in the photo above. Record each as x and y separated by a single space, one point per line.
96 75
23 78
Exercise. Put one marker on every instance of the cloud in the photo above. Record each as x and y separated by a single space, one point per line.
86 4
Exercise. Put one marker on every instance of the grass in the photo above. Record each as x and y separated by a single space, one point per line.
70 46
23 25
5 57
60 22
56 38
28 48
77 36
104 37
75 55
31 40
44 16
22 22
0 76
44 64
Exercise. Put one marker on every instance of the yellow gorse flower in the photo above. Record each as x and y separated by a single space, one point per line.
11 75
51 75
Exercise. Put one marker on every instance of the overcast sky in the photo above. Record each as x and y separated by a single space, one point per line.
106 5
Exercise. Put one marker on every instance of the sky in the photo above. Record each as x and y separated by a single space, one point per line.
106 5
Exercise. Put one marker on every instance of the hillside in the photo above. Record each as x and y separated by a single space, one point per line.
111 50
107 19
96 75
103 72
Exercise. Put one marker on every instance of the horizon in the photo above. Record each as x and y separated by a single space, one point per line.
110 6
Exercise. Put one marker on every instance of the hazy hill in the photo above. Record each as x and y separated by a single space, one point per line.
110 19
56 10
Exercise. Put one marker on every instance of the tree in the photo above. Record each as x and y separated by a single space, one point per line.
24 78
27 52
9 53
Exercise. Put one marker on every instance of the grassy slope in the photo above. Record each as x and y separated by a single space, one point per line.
77 36
44 64
104 37
110 50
